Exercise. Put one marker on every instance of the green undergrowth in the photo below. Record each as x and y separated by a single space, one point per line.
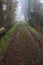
34 31
6 38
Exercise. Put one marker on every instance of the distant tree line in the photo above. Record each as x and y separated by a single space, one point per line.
7 13
36 16
33 12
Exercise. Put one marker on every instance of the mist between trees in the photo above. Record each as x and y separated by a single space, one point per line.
32 11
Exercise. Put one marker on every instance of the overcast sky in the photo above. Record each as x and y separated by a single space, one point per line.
41 1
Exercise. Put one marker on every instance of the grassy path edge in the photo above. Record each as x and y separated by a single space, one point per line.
36 33
4 41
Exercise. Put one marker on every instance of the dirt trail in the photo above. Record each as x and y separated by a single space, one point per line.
9 55
36 45
23 50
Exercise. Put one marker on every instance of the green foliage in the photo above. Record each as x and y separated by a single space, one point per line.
31 22
36 16
36 19
7 16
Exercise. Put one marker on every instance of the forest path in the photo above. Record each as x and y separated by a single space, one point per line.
23 49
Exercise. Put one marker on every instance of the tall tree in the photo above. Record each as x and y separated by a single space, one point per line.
9 12
1 13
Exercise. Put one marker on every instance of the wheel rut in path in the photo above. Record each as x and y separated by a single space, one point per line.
23 50
11 54
35 44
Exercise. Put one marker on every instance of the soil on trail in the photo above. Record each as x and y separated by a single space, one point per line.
23 50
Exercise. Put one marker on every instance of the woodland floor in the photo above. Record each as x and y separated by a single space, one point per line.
23 49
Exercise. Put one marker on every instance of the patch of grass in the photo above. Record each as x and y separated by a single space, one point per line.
23 33
6 38
34 31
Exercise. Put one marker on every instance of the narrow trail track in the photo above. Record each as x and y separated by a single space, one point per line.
23 50
36 45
